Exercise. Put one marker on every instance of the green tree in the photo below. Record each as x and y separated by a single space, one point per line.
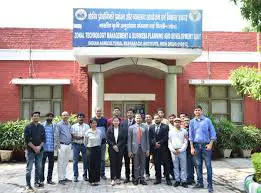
247 81
251 10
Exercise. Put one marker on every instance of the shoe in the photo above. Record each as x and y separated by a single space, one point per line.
157 182
118 182
62 182
67 180
85 179
143 182
29 189
127 180
210 190
104 177
96 184
50 182
93 184
75 179
198 186
169 183
39 185
112 183
176 184
190 182
147 178
135 182
184 184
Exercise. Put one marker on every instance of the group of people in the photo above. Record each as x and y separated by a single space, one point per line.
177 143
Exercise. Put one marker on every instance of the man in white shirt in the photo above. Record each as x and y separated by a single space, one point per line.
178 142
78 131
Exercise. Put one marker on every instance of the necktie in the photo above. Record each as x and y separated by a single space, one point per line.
130 122
157 129
139 136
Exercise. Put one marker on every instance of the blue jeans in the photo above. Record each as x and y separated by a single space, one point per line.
31 158
77 149
190 167
103 150
180 167
203 154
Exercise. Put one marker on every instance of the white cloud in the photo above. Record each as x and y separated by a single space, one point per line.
218 15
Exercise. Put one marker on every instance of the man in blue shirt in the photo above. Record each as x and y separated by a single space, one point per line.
62 143
49 127
202 135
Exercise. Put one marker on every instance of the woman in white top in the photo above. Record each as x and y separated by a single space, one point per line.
92 141
117 141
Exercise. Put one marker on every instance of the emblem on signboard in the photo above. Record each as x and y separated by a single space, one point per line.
80 14
194 15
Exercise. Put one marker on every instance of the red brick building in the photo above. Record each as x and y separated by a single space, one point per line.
40 70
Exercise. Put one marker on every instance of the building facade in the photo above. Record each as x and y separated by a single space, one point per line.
40 70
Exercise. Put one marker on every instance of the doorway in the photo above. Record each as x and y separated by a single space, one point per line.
138 106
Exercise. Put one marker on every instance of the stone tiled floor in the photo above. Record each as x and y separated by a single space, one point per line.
228 177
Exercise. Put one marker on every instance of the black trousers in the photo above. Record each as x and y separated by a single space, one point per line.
147 165
115 163
127 165
94 163
161 156
50 156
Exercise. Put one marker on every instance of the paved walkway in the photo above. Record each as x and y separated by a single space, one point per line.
228 177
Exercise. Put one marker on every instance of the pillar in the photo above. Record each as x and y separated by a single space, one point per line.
171 93
97 91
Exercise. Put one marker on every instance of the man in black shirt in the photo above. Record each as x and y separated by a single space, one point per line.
34 135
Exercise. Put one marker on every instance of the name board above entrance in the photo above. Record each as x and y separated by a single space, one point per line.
145 28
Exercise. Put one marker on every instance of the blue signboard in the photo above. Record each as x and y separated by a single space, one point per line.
137 28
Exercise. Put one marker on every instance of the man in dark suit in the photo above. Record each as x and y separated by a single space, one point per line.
158 134
125 125
117 143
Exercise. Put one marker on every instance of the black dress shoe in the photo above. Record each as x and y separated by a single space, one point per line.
50 182
190 182
135 182
75 179
157 182
143 182
184 184
61 182
67 180
198 186
176 184
127 180
85 179
169 183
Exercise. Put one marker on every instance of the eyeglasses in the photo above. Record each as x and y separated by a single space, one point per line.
186 120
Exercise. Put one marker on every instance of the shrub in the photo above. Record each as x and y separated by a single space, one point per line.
250 137
225 130
12 135
256 161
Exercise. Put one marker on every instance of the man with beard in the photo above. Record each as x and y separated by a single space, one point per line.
49 127
125 126
158 134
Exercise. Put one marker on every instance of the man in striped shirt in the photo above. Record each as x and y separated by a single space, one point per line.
78 131
49 127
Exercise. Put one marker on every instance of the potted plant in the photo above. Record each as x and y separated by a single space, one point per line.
250 138
225 129
11 138
252 183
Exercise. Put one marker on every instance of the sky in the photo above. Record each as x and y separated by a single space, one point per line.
218 15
